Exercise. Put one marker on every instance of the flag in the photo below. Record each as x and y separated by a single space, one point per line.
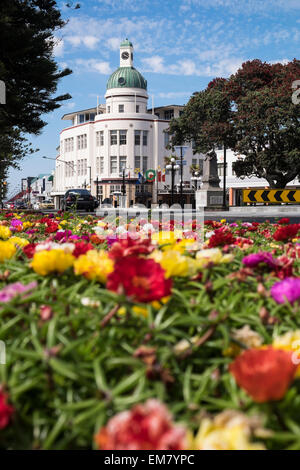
140 179
163 177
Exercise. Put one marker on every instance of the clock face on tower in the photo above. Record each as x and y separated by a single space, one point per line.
125 55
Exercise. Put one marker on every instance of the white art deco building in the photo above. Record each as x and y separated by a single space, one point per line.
122 134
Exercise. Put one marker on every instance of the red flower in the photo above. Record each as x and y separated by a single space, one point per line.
221 237
81 248
130 247
145 427
29 250
141 279
52 227
265 374
5 411
286 232
283 221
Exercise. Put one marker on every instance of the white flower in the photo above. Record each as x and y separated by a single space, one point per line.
209 234
148 228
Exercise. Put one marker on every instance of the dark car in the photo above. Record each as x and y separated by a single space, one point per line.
79 199
20 205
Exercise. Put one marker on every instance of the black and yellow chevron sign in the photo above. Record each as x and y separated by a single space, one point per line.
272 195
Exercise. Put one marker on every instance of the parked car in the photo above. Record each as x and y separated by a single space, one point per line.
78 198
20 205
47 204
96 202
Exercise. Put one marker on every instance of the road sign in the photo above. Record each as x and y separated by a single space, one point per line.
271 195
183 162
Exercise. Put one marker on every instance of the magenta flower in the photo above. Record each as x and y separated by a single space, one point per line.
262 257
286 290
17 288
62 235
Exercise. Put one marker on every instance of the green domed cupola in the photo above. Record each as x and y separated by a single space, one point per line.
126 77
126 43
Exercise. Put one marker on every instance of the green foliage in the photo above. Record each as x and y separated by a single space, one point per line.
67 376
252 113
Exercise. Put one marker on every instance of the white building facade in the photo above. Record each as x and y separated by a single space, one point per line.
124 134
121 135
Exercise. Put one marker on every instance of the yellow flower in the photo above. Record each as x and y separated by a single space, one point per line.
212 255
166 237
7 250
142 311
18 241
174 264
27 225
223 221
94 265
63 222
5 233
45 262
229 430
184 245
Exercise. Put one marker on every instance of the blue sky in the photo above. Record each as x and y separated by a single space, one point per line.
180 45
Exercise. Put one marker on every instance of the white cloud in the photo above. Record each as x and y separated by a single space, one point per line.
114 43
58 49
93 65
88 41
224 68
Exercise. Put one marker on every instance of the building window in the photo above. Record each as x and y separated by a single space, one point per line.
81 118
82 141
137 137
115 188
121 108
137 164
145 138
85 166
113 164
137 109
166 139
122 163
221 169
100 165
99 138
169 114
123 135
145 164
108 109
181 113
69 144
113 137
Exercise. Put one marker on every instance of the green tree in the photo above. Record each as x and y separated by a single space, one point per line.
29 71
266 121
252 113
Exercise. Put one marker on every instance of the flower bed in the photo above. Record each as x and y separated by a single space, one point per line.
158 340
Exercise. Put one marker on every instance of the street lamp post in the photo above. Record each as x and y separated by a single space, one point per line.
173 167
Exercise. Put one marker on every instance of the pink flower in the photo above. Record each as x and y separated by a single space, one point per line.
286 290
17 288
146 426
262 257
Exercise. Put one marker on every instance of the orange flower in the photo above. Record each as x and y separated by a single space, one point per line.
265 374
